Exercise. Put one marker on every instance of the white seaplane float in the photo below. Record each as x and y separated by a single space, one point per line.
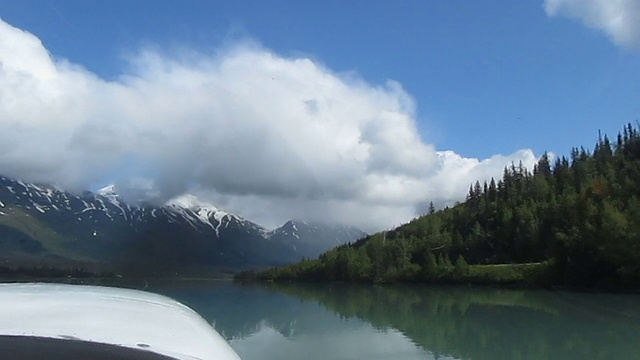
54 321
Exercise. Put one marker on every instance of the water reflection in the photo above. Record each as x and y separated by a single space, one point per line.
411 322
359 342
483 323
264 323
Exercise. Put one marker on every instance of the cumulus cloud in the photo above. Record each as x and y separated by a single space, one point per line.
266 136
619 19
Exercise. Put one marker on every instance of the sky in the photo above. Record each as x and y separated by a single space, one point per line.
360 112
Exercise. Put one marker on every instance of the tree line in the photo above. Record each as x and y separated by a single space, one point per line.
577 217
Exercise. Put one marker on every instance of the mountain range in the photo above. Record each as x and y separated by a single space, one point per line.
41 225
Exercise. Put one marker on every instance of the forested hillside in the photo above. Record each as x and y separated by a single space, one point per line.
572 221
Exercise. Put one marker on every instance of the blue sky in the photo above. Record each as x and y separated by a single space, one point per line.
486 77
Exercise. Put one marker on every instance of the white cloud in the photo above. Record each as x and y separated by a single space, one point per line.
619 19
262 135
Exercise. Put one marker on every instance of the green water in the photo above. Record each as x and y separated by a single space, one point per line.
413 322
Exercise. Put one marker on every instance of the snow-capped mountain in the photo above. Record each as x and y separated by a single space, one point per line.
194 210
308 239
40 221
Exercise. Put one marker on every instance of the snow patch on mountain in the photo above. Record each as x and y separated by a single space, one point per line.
194 204
189 206
109 193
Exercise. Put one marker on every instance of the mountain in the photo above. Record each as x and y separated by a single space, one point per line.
309 240
43 225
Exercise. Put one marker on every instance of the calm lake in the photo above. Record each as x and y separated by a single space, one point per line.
339 321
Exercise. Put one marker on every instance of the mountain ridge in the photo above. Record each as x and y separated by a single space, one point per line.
184 232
